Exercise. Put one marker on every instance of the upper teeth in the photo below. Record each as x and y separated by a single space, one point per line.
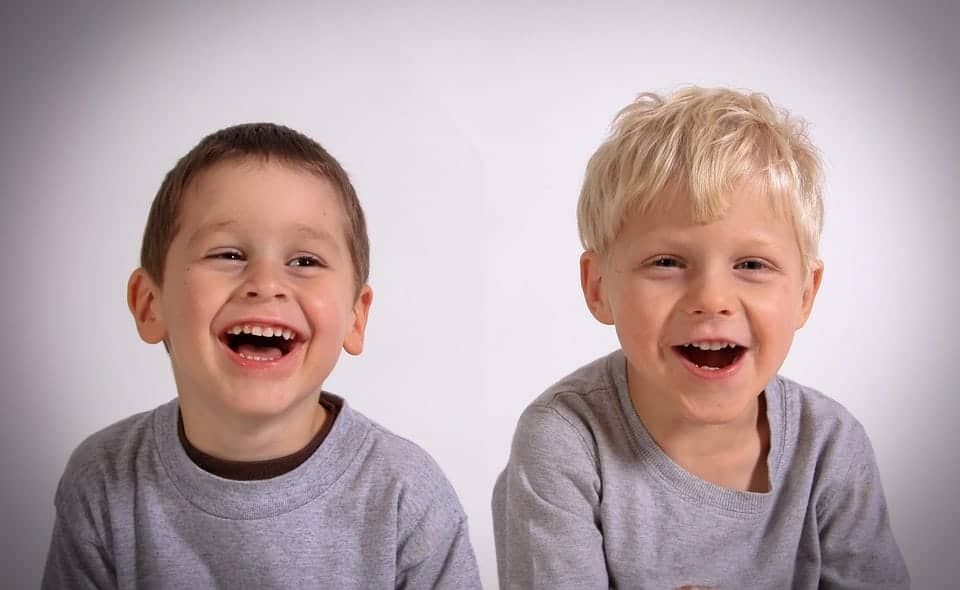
268 331
711 345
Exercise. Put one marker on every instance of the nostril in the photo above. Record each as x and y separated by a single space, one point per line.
251 293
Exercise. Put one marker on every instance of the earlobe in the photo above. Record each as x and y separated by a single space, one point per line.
594 292
353 342
143 299
811 287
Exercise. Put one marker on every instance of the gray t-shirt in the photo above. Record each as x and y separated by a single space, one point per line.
367 510
588 500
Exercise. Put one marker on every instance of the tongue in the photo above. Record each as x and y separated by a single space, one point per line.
270 353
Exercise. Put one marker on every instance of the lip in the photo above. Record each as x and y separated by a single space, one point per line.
281 364
711 374
710 339
263 321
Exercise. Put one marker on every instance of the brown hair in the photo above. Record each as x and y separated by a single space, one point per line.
257 140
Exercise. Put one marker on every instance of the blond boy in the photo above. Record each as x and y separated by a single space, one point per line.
254 276
683 459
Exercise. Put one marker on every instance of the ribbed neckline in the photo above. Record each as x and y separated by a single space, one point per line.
690 486
265 468
250 500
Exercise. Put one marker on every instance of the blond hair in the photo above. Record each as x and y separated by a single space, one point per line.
704 143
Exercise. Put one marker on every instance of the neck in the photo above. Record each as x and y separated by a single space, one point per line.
250 438
678 434
731 454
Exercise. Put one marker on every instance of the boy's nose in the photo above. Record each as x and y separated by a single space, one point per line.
710 295
266 293
264 283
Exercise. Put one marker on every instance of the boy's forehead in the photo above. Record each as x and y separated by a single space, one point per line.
244 170
677 206
221 185
238 192
746 213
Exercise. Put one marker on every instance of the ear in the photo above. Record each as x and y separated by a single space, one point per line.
594 291
143 299
811 285
353 341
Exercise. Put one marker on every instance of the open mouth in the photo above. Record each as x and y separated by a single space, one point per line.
711 356
259 342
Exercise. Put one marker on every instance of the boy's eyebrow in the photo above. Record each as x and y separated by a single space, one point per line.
757 241
748 240
210 228
307 231
314 233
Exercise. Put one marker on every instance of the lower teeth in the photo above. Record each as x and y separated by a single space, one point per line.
253 358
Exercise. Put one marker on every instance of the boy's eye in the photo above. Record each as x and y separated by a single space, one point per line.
226 255
666 262
754 264
305 261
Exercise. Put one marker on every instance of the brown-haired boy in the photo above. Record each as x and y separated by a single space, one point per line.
683 459
254 276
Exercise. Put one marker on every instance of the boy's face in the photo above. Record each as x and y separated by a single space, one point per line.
261 249
673 287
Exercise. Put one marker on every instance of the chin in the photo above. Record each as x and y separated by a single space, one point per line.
262 404
717 414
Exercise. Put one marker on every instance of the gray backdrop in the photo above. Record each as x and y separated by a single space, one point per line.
466 129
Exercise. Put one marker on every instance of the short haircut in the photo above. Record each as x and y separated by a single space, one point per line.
701 143
263 141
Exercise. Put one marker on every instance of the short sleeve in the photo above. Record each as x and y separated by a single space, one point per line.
546 508
451 562
857 547
434 549
75 559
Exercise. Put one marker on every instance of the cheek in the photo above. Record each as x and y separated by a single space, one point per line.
194 298
775 318
330 310
640 321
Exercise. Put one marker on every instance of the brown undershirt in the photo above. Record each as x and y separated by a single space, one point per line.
265 469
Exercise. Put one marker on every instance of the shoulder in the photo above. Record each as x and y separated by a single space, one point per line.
107 455
820 419
582 387
828 439
100 474
571 417
428 510
402 464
